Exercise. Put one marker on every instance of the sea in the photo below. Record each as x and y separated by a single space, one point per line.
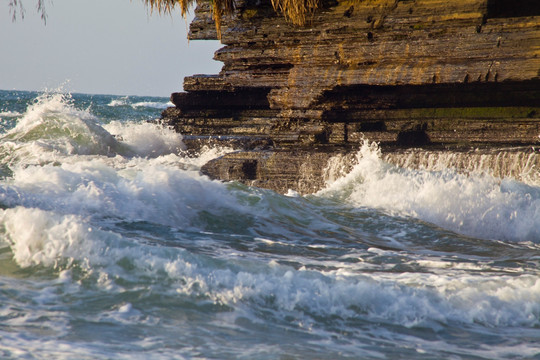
113 245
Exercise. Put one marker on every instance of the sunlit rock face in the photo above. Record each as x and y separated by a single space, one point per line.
439 75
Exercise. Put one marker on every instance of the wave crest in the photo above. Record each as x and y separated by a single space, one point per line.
473 204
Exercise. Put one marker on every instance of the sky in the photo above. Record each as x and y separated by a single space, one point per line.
100 47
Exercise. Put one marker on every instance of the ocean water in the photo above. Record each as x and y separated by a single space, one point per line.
114 246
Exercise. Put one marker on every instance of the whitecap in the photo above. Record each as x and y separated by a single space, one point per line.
51 128
474 204
147 139
152 104
9 114
119 102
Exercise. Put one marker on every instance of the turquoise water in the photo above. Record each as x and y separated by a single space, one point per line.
113 246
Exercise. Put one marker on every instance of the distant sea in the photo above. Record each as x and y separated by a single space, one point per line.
114 246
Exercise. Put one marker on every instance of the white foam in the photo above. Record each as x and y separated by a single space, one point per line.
408 299
9 114
53 127
39 237
136 189
125 101
119 102
292 193
473 204
39 346
58 210
61 159
152 104
521 164
147 139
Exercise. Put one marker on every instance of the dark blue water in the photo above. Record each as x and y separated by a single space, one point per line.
113 246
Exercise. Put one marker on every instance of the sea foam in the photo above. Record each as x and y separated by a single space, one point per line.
9 114
475 203
53 127
101 247
147 139
126 101
409 300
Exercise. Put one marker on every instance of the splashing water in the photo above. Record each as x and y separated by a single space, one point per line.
474 203
113 245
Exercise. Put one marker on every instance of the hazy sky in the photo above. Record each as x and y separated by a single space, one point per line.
99 47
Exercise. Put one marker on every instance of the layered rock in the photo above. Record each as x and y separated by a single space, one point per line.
435 74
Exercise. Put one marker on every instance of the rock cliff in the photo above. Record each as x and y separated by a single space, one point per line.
432 74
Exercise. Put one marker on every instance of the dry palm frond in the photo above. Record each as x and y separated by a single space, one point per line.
296 11
166 6
219 7
16 5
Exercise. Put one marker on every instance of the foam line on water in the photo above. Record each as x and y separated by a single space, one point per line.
407 299
125 189
127 101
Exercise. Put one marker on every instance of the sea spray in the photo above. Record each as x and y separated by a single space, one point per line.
133 254
472 203
147 139
410 300
522 164
52 238
62 157
51 128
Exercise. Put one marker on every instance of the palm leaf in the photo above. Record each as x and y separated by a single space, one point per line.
296 11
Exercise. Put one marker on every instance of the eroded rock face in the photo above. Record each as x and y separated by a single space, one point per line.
406 73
